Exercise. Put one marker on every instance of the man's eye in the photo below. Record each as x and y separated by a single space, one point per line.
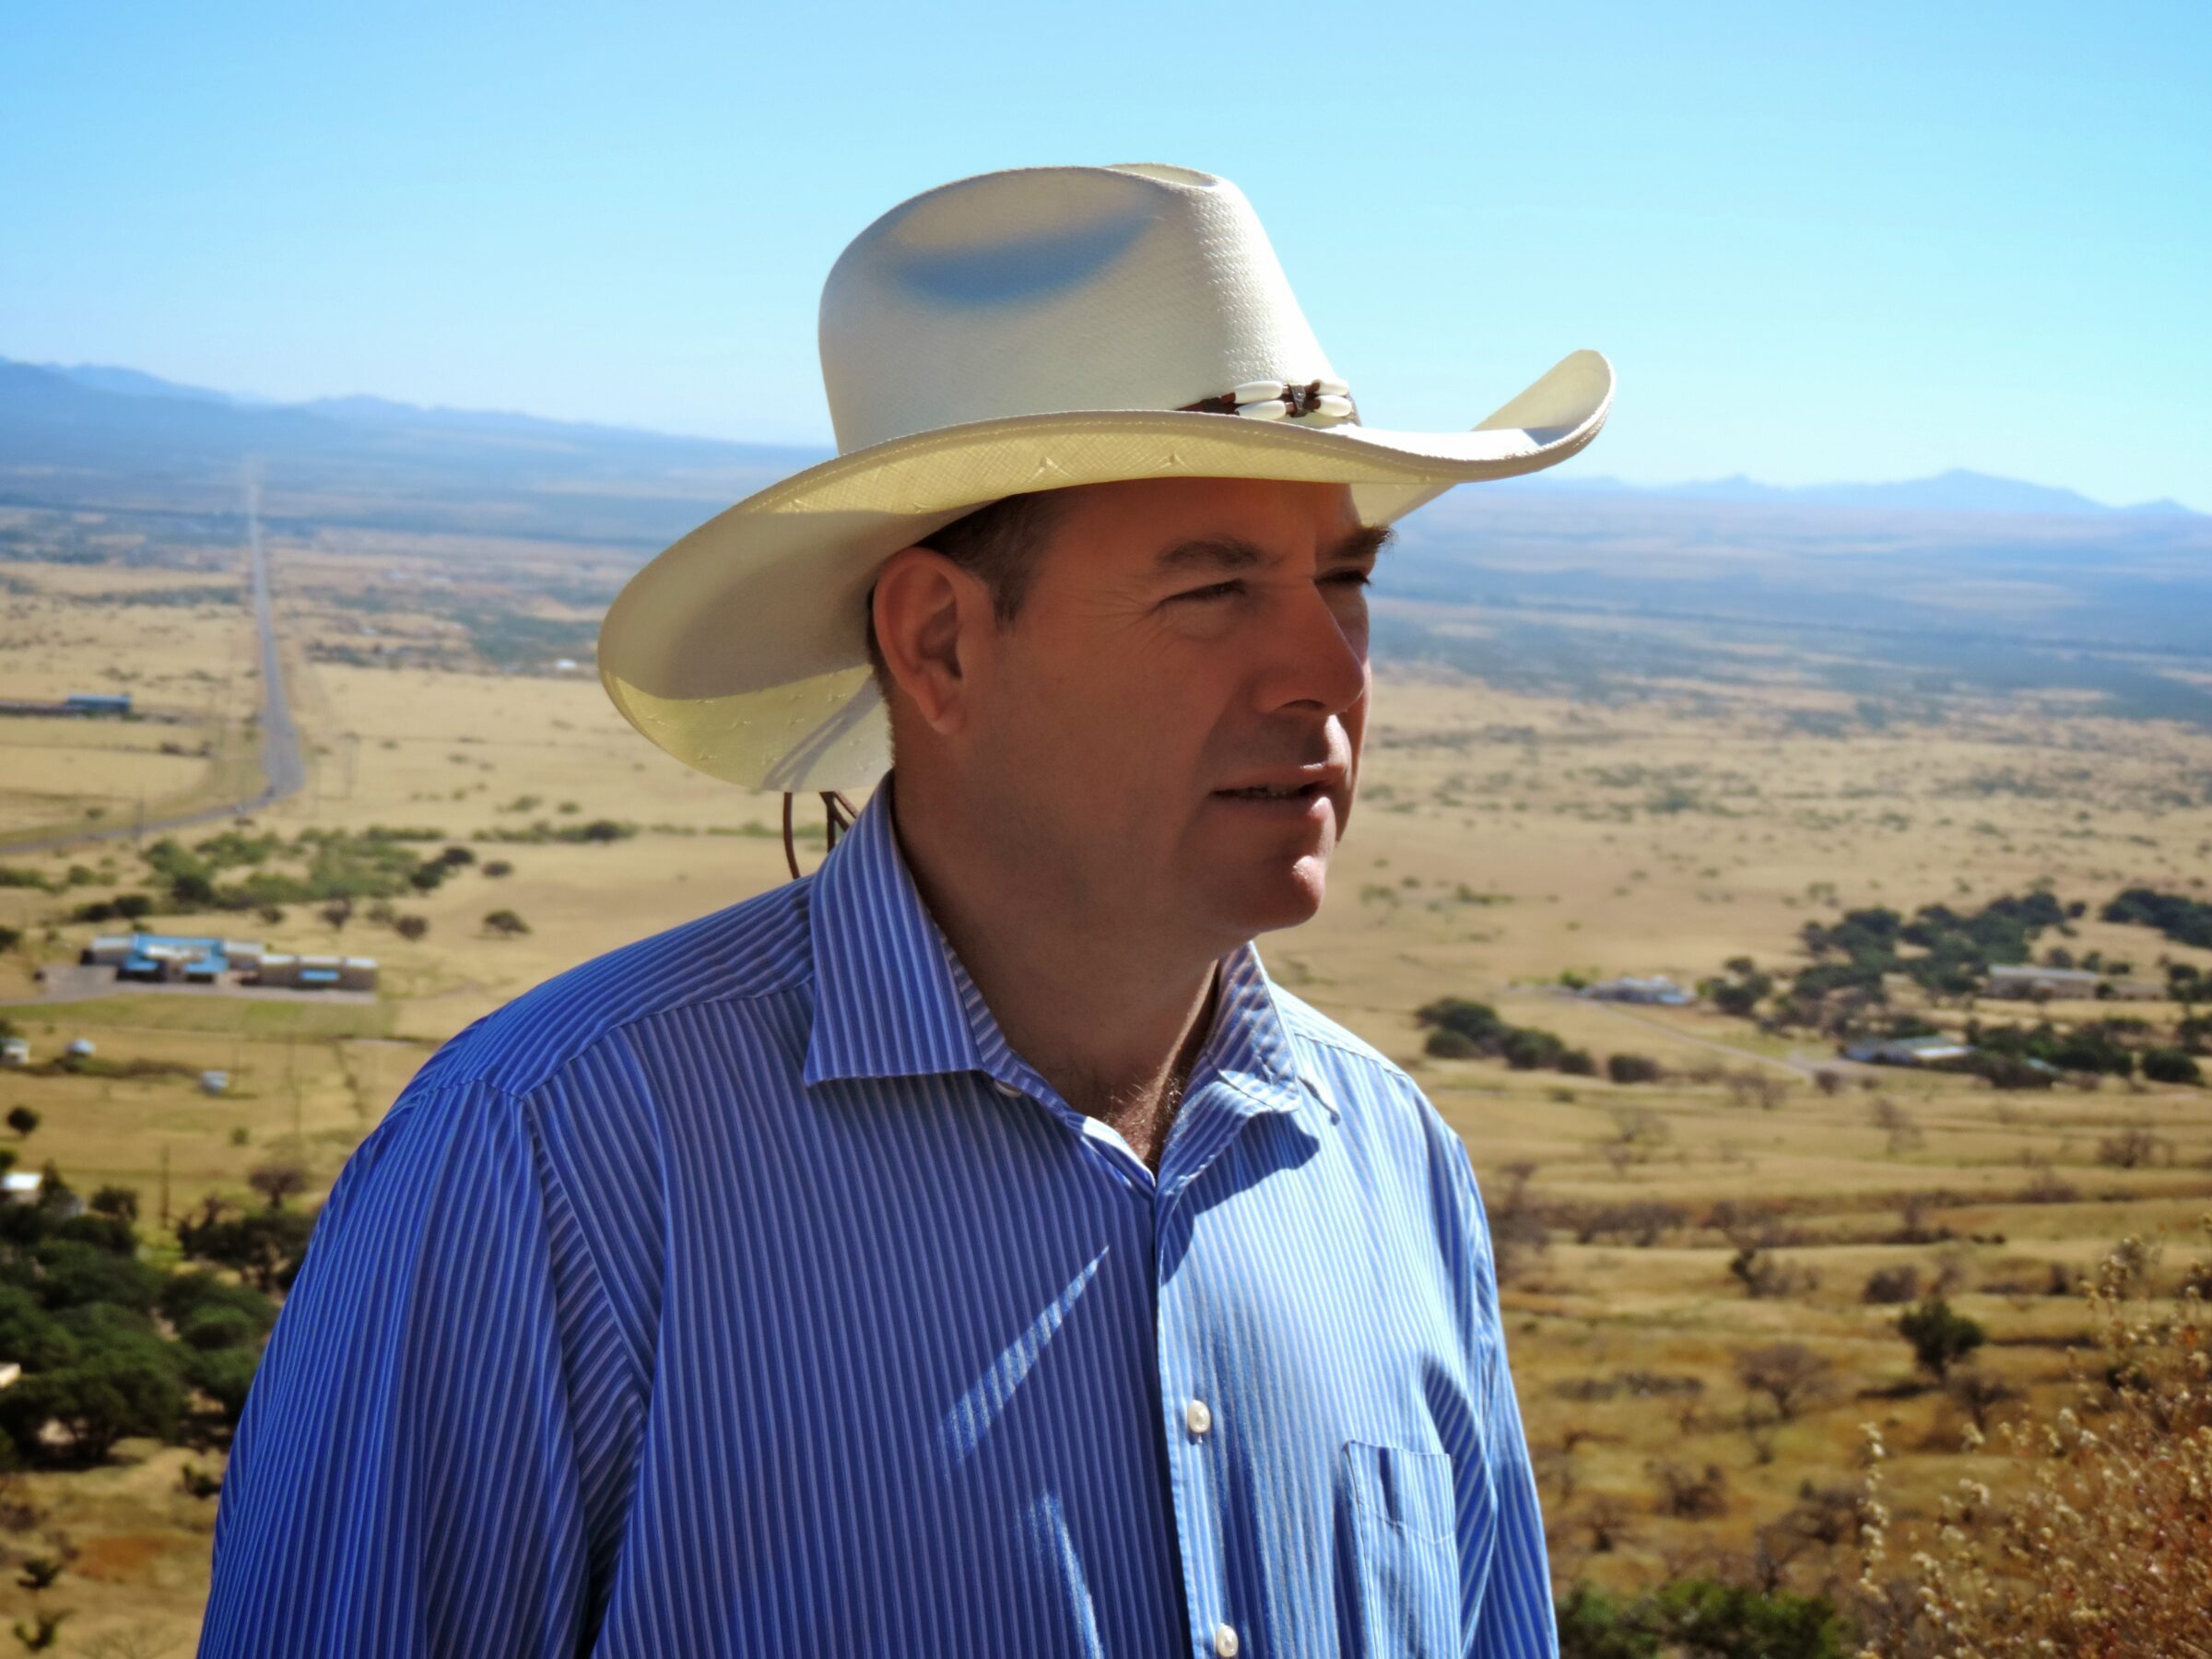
1352 578
1216 589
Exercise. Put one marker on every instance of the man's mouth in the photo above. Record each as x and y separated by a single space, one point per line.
1272 791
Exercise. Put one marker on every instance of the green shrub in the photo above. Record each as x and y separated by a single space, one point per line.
2172 1065
1939 1337
1698 1619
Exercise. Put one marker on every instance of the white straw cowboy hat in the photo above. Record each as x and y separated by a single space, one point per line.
1018 331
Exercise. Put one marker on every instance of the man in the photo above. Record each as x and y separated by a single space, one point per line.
964 1249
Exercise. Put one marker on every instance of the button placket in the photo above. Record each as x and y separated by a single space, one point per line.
1191 1466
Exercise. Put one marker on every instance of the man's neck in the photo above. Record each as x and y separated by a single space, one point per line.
1112 1023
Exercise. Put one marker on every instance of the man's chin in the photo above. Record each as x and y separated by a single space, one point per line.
1287 898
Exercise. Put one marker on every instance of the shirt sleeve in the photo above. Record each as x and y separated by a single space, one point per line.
407 1479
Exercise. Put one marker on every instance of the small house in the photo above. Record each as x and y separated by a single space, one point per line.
15 1050
1908 1051
2025 979
97 703
1630 988
81 1048
214 1082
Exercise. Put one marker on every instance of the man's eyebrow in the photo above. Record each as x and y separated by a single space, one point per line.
1234 553
1211 553
1363 545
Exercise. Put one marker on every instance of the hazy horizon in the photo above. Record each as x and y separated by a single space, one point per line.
1574 475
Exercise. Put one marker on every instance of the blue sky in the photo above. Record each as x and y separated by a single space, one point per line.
1822 242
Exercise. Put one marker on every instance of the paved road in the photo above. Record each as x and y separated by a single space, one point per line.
283 767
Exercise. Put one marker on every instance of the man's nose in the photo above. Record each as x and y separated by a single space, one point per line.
1320 657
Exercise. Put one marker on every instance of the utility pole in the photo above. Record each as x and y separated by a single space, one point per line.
164 1186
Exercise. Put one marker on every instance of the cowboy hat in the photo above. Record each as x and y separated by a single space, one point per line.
1019 331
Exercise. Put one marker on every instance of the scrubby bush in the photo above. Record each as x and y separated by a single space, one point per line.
1462 1029
1939 1337
2102 1545
1888 1286
1790 1375
1701 1618
2170 1066
1633 1068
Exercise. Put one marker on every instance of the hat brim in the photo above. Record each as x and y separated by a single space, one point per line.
742 649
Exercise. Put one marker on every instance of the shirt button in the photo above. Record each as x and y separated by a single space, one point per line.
1007 1089
1225 1640
1197 1416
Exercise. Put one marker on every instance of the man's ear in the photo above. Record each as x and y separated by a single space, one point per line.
928 614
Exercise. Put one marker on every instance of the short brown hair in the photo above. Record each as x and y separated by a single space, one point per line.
996 543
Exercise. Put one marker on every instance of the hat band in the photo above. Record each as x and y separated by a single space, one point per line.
1318 402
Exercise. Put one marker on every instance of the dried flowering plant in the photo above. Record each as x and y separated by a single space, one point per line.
2104 1546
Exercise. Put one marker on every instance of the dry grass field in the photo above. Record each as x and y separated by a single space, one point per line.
1503 838
177 640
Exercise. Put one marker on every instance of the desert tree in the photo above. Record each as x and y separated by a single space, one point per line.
1939 1338
1789 1374
278 1180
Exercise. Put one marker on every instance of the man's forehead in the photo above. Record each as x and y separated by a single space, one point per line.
1302 496
1149 516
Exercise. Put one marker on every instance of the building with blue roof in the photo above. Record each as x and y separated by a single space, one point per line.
175 958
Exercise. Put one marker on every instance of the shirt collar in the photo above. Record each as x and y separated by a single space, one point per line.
892 999
885 1005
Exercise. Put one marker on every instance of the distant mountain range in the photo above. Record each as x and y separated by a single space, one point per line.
91 436
1958 490
58 390
166 415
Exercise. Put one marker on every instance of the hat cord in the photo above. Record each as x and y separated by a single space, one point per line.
840 813
1319 402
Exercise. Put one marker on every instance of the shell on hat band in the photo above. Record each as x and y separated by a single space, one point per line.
1317 403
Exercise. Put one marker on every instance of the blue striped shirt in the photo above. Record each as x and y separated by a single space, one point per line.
741 1292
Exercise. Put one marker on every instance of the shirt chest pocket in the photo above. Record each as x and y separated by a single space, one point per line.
1396 1521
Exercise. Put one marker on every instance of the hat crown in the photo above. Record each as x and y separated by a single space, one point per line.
1054 289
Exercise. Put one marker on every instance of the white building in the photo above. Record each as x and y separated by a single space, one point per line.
1630 988
1908 1051
317 972
2025 979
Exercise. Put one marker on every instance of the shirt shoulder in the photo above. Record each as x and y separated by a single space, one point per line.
1310 1029
758 947
1373 1090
